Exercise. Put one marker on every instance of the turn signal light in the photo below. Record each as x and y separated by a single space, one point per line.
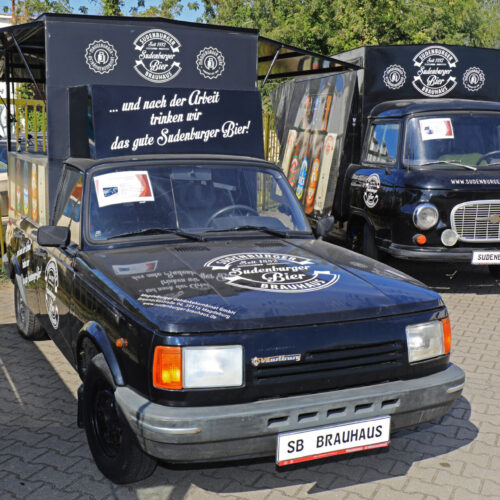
167 367
446 334
420 239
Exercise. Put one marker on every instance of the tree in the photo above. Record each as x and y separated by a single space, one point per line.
112 7
336 25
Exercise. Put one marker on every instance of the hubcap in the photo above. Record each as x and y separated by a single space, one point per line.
21 309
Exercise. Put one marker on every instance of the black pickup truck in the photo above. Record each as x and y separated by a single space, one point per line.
207 322
405 152
175 269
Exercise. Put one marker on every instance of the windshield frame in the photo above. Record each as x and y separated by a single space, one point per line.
437 114
137 164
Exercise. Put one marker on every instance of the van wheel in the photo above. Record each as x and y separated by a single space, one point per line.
26 322
111 440
368 246
494 271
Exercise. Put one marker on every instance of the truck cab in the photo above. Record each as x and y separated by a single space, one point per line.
427 184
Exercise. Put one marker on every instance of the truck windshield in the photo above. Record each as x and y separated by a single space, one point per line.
455 138
129 201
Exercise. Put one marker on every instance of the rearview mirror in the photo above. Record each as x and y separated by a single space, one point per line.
53 236
324 226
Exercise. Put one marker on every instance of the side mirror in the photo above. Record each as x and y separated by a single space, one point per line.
324 226
53 236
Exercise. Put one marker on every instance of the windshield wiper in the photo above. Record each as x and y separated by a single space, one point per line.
264 229
456 163
161 230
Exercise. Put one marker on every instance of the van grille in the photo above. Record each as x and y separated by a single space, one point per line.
374 362
477 221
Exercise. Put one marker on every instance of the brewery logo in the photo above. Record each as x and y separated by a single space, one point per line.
51 285
473 79
156 61
101 57
210 63
274 272
394 76
435 67
372 186
279 358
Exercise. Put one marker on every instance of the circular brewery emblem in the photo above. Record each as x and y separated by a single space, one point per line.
434 77
273 272
101 56
394 76
51 285
156 61
372 186
473 79
210 62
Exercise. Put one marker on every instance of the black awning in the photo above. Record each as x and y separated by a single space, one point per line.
25 46
279 60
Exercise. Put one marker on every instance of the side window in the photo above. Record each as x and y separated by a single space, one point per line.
383 143
68 206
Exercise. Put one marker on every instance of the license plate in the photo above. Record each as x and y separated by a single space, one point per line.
295 447
486 258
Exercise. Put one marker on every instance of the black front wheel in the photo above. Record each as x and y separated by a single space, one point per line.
111 440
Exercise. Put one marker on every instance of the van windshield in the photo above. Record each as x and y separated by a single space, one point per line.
129 201
455 138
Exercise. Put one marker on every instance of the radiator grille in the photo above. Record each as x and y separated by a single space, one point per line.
477 221
375 359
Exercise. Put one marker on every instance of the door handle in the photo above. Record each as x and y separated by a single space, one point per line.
39 252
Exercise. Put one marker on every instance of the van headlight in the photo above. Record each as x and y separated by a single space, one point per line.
425 216
428 340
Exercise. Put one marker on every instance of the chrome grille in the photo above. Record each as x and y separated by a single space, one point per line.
477 221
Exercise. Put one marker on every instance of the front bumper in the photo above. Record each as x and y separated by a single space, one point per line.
196 434
433 254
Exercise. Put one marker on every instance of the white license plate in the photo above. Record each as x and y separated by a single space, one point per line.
295 447
486 258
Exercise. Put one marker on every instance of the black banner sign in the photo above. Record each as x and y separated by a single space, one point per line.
146 120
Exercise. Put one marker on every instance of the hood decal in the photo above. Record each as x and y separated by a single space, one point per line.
273 272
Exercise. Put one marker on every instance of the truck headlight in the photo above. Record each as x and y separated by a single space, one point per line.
212 366
428 340
425 216
197 367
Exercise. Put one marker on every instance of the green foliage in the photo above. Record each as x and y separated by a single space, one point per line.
167 8
112 7
29 9
336 25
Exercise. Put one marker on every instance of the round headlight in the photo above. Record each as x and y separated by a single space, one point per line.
425 216
449 237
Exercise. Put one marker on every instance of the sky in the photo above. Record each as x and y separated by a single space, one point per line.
187 15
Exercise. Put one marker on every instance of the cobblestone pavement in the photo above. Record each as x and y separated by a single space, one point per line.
43 454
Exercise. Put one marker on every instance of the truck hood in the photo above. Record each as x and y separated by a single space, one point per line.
485 179
247 284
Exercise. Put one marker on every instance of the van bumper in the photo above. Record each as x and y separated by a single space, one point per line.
197 434
433 254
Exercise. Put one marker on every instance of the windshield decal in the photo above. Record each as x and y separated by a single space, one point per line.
436 128
475 181
273 272
123 187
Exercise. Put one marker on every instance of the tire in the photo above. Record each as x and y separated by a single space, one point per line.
112 442
27 324
494 271
368 246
